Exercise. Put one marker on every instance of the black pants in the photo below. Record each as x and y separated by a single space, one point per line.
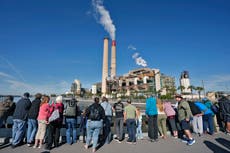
152 127
84 134
53 135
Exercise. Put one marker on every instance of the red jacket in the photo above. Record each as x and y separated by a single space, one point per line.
60 108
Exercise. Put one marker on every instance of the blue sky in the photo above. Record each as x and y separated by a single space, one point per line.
46 44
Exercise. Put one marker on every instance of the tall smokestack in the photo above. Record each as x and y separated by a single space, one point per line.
113 60
105 65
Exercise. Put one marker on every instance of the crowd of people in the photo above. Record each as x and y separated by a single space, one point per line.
40 121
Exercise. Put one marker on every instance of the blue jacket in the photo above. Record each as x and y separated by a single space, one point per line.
203 108
151 106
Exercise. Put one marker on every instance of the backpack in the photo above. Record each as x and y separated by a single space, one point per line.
71 109
94 113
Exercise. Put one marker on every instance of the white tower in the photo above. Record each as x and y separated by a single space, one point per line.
105 66
185 81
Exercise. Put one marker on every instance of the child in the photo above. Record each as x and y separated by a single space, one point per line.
83 125
139 124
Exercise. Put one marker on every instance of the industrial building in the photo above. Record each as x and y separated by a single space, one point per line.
136 82
76 87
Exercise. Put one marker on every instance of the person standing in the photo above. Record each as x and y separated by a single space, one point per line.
7 108
118 108
184 115
207 118
43 116
54 127
225 106
151 114
209 105
83 125
170 113
19 120
70 113
32 119
95 115
139 124
108 119
130 116
161 119
197 121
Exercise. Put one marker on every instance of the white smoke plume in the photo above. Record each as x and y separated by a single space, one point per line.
104 19
141 61
136 56
132 47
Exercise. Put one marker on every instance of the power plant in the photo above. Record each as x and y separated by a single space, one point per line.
139 80
105 66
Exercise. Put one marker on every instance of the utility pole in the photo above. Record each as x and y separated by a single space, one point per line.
203 87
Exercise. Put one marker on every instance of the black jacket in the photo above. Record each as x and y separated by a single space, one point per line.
34 109
225 106
22 108
194 109
95 112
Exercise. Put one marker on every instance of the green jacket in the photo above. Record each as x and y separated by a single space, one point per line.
184 111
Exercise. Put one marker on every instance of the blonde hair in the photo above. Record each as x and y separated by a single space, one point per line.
160 105
138 111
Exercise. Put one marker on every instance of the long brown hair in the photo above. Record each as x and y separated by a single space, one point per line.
160 105
138 112
45 99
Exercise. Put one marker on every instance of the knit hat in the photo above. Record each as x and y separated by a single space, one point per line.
59 99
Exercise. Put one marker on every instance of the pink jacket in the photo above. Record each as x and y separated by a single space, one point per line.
44 112
169 111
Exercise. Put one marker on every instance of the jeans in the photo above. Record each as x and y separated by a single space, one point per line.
208 123
18 131
139 130
152 127
71 129
131 128
31 130
93 130
1 122
107 129
119 124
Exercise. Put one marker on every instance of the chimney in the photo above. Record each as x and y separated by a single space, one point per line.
113 60
105 66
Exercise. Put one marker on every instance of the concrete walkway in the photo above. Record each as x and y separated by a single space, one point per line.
218 143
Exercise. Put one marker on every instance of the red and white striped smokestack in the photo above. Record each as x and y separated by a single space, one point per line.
113 60
105 66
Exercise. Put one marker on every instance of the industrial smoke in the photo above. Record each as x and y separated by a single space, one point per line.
104 17
136 56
